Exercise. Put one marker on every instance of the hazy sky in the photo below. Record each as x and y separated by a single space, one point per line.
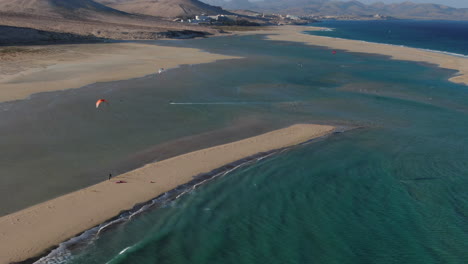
453 3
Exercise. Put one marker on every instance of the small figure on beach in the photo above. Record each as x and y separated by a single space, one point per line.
161 70
110 176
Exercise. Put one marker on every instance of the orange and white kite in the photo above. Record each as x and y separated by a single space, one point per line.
98 102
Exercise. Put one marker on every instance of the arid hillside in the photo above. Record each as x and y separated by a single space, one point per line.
88 19
164 8
57 8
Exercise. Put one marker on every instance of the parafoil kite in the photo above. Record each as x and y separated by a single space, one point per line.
98 102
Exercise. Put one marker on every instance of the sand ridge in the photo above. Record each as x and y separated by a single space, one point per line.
48 68
32 69
294 33
29 232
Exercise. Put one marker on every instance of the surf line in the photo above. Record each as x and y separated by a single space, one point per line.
63 250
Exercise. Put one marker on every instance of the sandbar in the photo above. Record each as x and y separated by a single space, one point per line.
295 34
26 70
30 232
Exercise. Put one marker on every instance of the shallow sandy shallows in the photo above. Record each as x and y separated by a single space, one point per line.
294 33
33 69
30 232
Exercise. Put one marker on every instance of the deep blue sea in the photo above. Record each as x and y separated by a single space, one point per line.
393 190
446 36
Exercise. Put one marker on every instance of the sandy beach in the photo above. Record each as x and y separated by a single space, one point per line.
294 33
32 69
27 70
30 232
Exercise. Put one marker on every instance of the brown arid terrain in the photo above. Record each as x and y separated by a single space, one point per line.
58 8
165 8
84 19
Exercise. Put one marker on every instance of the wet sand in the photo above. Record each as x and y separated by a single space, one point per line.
294 33
29 232
25 70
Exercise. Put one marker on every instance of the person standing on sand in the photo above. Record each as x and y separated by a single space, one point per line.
110 176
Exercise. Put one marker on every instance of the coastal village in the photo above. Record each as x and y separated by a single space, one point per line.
258 19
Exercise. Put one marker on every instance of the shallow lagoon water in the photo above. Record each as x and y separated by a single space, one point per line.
393 191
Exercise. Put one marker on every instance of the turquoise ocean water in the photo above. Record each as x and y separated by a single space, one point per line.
444 36
391 191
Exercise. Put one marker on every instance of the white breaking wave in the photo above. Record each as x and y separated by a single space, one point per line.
62 254
124 250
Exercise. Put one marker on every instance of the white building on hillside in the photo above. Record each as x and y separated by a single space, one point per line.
202 18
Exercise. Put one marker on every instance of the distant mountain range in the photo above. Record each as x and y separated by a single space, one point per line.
343 8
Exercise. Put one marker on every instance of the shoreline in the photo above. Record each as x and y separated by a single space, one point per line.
28 70
394 52
32 231
163 199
